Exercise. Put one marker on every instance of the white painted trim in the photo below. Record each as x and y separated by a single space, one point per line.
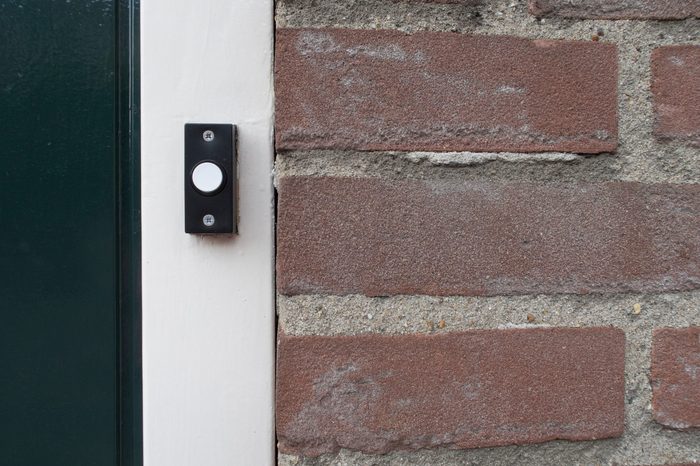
208 302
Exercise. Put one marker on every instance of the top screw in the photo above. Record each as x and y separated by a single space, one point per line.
208 135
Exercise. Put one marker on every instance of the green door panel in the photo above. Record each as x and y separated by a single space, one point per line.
59 288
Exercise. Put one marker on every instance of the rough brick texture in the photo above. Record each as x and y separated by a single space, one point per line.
676 88
386 90
617 9
675 376
460 390
389 237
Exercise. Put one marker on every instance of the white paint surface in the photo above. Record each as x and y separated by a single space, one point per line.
208 318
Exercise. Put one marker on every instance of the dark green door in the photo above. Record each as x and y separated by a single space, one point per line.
61 287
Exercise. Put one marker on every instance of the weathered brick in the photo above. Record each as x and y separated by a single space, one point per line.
382 237
675 374
386 90
617 9
459 390
676 89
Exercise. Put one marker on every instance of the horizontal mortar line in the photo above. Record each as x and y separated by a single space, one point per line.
365 164
544 31
688 294
466 157
357 314
474 157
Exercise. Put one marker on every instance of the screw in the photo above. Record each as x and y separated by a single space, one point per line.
208 135
208 220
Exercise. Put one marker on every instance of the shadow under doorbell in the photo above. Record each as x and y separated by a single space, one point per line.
210 178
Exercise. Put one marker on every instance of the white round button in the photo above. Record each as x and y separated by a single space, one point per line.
207 177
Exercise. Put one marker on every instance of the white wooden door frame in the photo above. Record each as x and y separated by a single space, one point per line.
208 302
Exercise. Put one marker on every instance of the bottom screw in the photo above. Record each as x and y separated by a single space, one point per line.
208 220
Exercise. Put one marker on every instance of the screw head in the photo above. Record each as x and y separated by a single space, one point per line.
208 220
208 135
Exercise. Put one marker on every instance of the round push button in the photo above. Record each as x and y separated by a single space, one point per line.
207 177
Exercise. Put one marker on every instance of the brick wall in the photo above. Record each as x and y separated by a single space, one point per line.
488 232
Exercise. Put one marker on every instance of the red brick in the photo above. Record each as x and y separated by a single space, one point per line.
676 89
381 237
617 9
675 375
473 389
386 90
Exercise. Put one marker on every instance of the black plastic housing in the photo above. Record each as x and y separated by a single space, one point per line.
222 204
